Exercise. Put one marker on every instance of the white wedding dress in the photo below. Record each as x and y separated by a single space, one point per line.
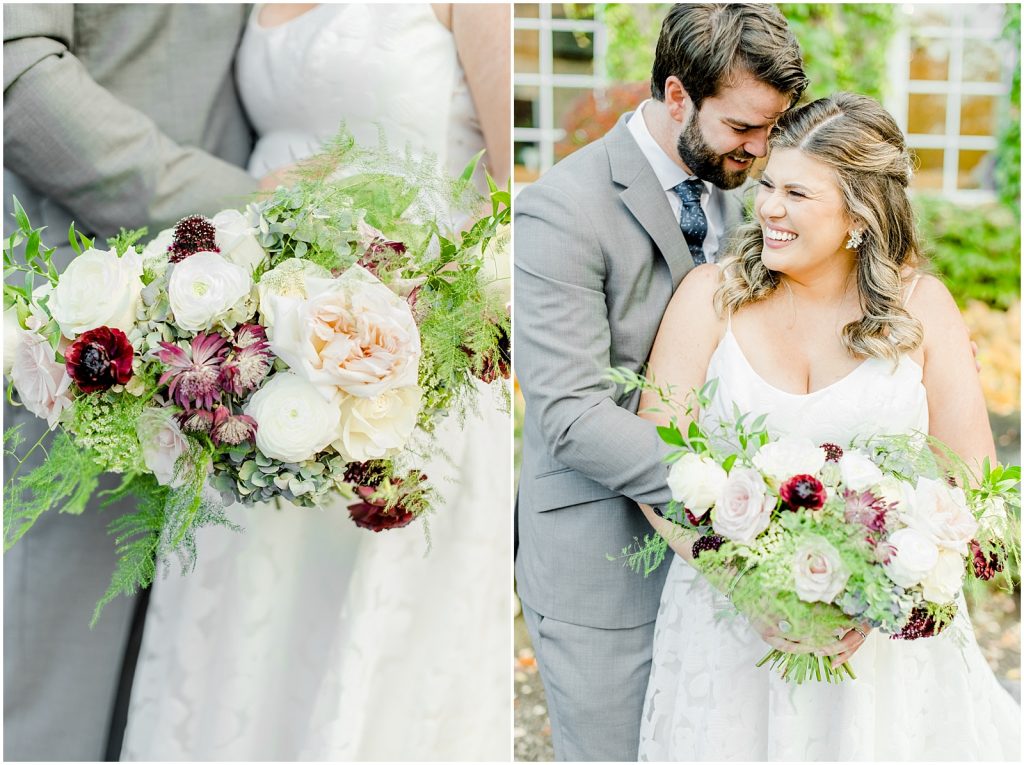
305 637
931 699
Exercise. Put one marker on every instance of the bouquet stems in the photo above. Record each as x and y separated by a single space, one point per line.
800 667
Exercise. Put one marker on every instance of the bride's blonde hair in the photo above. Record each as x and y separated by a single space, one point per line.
855 137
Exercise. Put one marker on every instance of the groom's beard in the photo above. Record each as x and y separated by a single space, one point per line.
704 162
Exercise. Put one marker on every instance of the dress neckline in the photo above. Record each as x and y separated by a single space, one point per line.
254 18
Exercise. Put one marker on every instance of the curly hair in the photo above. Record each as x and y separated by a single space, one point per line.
861 143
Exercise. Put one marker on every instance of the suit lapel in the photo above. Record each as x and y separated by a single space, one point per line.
645 199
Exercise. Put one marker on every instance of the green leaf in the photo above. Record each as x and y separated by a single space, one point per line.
73 239
20 216
671 436
470 168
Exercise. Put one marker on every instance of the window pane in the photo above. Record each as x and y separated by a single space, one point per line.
983 61
527 10
984 16
527 50
974 170
978 115
926 114
525 104
929 169
574 112
572 10
929 58
930 15
527 159
573 52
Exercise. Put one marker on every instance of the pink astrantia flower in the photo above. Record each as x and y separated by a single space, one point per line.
193 372
232 429
250 363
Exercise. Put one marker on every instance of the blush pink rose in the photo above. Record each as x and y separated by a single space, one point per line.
744 507
41 382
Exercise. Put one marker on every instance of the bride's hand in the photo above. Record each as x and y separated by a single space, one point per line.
848 645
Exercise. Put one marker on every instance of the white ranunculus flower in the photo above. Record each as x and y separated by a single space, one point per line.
237 240
945 579
858 471
789 456
294 420
162 444
42 384
98 289
496 272
204 289
13 336
818 571
993 515
744 508
912 557
351 333
696 482
287 279
940 512
373 428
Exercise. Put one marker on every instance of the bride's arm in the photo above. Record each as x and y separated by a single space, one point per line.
482 33
689 333
957 414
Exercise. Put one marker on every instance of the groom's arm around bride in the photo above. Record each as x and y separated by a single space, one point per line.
601 242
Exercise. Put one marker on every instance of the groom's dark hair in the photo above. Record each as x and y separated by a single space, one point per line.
704 44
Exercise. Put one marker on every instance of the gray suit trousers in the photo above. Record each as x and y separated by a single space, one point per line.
595 680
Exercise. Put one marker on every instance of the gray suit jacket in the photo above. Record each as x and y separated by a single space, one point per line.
598 254
114 115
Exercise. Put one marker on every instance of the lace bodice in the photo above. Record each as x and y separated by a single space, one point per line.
386 69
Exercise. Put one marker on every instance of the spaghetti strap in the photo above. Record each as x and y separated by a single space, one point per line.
910 290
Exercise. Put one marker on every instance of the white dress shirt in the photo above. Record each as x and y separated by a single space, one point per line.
670 175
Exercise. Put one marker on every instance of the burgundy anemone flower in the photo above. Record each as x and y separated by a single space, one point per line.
985 566
193 372
99 359
191 235
369 513
231 429
802 491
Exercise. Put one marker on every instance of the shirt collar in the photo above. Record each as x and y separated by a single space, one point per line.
669 174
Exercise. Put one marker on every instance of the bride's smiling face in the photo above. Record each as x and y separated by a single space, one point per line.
804 223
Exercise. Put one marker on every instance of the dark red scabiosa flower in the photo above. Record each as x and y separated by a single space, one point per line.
99 359
231 429
833 452
802 491
193 373
371 513
191 235
705 543
865 508
922 624
249 363
985 566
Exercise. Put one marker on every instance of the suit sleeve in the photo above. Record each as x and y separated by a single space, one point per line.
563 350
75 142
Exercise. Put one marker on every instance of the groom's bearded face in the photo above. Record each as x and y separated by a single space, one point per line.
706 163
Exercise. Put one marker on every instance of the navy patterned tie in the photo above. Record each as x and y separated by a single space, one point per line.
692 221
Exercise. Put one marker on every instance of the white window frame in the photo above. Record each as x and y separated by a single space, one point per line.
546 134
953 87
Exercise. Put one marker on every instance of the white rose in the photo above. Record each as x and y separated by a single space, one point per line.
819 571
371 428
993 515
13 336
42 384
204 289
696 481
744 508
940 512
294 420
858 472
162 444
496 271
98 289
895 492
287 279
944 580
237 240
351 333
789 456
912 555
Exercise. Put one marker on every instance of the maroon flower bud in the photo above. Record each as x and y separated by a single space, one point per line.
985 566
191 235
708 542
99 359
833 452
803 491
922 624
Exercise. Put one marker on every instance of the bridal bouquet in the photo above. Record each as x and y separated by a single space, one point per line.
300 350
882 531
